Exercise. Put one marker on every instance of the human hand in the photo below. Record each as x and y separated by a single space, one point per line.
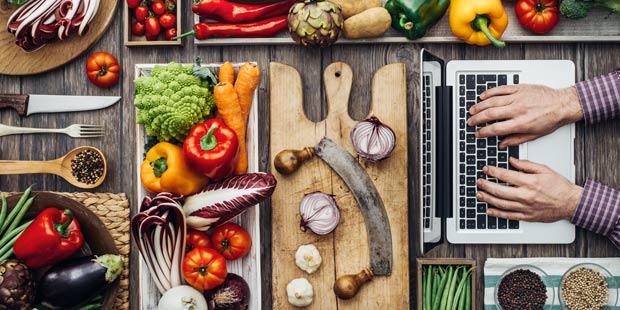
538 194
524 112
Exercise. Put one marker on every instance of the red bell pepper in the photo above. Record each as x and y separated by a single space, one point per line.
261 29
212 148
53 236
231 12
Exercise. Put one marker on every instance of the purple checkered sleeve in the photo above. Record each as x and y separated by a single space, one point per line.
600 97
599 211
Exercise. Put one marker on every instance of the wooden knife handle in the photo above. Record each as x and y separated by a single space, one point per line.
17 102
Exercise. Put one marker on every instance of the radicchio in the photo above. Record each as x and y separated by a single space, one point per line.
220 202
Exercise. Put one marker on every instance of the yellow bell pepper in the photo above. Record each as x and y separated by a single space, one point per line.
165 170
479 22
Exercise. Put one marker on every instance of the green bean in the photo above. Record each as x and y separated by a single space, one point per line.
12 233
452 288
427 296
436 279
460 288
444 294
468 295
4 209
15 210
20 215
440 289
7 250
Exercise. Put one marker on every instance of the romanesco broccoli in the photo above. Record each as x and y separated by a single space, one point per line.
170 101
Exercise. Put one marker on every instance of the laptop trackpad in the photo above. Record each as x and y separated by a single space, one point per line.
555 151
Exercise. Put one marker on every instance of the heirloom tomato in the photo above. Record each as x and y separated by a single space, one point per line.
231 240
204 268
102 69
538 16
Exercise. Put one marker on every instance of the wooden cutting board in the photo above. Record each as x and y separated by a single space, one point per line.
14 61
344 251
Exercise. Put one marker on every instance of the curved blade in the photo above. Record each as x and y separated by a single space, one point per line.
369 200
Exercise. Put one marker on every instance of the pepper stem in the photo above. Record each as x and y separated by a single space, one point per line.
183 35
208 141
481 23
159 166
63 228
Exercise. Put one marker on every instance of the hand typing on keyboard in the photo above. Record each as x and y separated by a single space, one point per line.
524 112
537 194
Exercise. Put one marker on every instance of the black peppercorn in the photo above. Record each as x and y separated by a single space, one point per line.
522 290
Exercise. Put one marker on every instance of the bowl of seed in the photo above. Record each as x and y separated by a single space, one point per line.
524 287
588 286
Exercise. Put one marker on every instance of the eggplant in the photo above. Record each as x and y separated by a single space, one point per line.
77 280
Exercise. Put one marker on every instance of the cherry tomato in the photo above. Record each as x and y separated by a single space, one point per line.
152 26
231 240
170 33
142 12
539 16
158 7
196 239
137 28
167 20
102 69
170 6
151 37
132 4
204 268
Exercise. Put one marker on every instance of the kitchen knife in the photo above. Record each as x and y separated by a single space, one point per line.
31 104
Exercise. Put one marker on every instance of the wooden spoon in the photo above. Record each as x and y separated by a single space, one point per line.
60 167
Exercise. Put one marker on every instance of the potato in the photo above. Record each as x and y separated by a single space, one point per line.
371 23
353 7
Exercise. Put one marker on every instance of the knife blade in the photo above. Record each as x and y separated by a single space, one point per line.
369 200
31 104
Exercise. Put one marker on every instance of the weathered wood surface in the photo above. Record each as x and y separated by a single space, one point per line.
597 147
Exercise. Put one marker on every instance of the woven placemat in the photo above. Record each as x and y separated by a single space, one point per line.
113 210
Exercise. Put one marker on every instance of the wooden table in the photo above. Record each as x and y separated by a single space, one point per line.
597 147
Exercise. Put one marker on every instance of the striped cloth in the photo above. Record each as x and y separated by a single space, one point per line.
599 207
555 267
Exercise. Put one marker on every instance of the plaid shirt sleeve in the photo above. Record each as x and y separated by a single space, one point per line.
599 211
600 97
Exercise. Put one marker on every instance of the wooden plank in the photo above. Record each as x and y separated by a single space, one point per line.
596 27
9 145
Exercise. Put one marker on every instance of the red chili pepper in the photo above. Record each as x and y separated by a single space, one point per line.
231 12
53 236
262 29
212 148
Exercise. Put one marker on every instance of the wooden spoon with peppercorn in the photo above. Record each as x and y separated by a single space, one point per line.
83 167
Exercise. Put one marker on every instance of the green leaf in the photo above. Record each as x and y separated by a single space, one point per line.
203 73
18 2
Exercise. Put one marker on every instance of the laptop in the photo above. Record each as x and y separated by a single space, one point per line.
452 158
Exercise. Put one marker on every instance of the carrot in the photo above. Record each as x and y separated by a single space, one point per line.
247 82
227 73
229 110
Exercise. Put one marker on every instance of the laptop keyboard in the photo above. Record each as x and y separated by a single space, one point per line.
427 151
475 153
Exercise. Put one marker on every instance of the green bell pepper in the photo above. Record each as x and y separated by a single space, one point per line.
414 18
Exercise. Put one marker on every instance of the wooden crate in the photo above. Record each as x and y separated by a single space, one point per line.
444 262
131 40
248 267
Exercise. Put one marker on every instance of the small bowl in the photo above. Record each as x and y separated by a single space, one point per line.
611 284
543 276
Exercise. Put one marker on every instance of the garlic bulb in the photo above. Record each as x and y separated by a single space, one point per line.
300 292
307 258
319 213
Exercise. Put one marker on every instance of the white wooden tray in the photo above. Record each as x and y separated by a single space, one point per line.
597 26
248 267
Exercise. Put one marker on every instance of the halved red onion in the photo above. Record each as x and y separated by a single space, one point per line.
319 213
373 140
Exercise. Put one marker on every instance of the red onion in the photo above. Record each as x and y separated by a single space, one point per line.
373 140
319 213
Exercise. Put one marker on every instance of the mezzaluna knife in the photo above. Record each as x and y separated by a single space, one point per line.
30 104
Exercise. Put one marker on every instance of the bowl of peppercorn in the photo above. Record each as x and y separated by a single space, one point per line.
524 287
588 286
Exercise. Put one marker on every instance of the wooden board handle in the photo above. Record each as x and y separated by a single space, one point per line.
17 102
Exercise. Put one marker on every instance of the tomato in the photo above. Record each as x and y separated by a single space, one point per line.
170 33
132 4
151 37
141 13
158 7
102 69
196 239
152 26
137 28
167 20
204 268
170 6
231 240
539 16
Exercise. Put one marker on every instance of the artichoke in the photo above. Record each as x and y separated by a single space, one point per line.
16 286
315 23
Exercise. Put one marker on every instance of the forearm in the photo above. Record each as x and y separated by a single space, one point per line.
599 211
600 97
